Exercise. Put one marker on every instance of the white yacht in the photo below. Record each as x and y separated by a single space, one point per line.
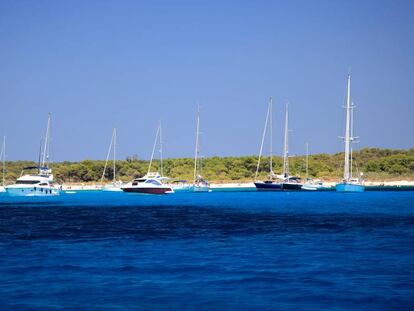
152 182
41 183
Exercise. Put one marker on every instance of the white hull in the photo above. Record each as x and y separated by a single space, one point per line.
112 189
201 189
32 191
2 189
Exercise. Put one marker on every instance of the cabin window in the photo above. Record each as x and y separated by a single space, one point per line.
26 182
154 182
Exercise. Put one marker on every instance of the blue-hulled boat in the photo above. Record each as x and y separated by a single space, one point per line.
349 184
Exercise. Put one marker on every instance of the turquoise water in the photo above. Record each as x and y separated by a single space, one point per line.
220 250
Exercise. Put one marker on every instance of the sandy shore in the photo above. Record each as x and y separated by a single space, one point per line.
89 187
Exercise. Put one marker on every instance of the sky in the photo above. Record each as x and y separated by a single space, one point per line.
96 65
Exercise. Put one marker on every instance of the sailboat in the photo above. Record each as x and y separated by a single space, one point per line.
152 182
310 184
200 184
3 158
289 182
349 184
270 184
41 183
114 185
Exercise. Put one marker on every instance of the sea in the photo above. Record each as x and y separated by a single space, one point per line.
208 251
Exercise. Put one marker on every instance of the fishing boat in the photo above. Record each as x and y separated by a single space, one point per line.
349 184
3 160
271 184
200 184
310 183
289 182
152 182
114 185
40 183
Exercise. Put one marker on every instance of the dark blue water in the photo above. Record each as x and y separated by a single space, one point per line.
208 251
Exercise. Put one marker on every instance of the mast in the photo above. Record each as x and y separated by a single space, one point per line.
263 137
271 137
197 145
107 155
45 159
153 148
161 171
114 137
347 138
286 148
3 153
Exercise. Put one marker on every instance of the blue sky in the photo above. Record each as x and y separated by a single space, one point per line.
99 64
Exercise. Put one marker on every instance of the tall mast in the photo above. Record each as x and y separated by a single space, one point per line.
40 156
161 172
307 159
45 159
3 153
347 130
153 148
114 137
271 137
108 154
286 148
197 144
263 137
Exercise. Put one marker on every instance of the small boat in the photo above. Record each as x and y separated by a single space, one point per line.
271 184
151 183
311 184
200 184
181 186
41 183
349 184
289 182
114 185
3 158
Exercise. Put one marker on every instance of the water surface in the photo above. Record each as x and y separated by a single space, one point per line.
224 250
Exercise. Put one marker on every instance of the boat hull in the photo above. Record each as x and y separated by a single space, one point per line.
148 190
201 189
349 188
112 189
291 186
263 186
32 191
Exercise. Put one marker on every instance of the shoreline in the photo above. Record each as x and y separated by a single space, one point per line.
241 185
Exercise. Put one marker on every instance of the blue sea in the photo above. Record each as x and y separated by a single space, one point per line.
208 251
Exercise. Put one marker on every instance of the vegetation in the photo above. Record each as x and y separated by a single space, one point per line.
377 164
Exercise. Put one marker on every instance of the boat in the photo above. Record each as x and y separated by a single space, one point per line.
349 184
289 182
180 185
271 184
200 184
114 185
311 184
152 182
40 183
3 158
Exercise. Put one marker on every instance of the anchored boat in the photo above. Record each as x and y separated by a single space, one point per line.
151 183
200 184
271 184
349 184
40 183
114 185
